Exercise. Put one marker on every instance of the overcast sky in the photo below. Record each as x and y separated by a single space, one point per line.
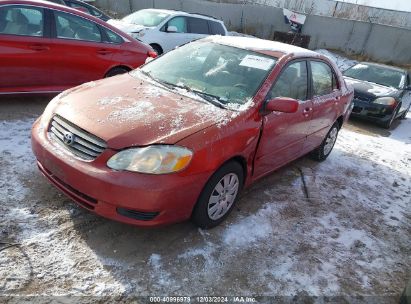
400 5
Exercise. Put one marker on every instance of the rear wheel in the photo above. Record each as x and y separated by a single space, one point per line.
116 71
219 196
322 152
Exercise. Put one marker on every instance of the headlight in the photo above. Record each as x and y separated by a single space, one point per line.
139 34
160 159
388 101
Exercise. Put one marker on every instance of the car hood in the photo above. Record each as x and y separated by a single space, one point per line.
127 111
369 90
126 27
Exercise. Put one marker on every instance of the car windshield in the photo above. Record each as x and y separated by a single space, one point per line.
227 74
379 75
146 18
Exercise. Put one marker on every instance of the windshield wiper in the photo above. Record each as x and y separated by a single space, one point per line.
215 100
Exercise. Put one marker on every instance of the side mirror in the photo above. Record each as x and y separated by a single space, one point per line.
282 104
172 29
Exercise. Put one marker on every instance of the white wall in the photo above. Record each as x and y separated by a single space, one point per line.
398 5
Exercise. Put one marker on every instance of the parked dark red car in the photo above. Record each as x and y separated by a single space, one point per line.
180 137
46 47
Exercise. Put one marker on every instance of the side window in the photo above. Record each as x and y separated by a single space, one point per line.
198 26
80 7
58 2
22 21
292 82
72 27
322 78
180 23
113 37
216 28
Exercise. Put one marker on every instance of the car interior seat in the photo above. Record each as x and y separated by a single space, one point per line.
18 24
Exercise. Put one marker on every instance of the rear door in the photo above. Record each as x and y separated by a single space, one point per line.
198 28
24 49
284 134
80 51
326 98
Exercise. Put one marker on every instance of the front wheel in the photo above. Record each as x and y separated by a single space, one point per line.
404 115
218 196
322 152
388 124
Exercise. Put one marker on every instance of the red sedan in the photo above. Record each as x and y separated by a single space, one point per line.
180 137
46 47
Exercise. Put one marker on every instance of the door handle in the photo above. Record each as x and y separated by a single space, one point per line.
104 52
39 47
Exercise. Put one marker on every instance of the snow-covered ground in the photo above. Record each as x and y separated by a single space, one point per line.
350 237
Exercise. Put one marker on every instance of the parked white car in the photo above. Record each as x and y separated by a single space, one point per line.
166 29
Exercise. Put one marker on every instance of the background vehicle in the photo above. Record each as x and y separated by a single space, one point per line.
168 150
166 29
382 93
46 47
84 7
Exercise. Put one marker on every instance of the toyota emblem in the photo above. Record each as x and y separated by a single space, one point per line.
68 138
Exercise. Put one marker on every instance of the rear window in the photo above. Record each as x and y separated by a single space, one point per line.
69 26
198 26
216 28
113 37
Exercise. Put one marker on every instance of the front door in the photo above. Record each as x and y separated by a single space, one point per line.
284 134
24 49
169 40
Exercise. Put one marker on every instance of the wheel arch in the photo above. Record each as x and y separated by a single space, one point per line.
121 66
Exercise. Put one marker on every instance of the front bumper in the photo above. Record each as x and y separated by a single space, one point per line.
372 111
133 198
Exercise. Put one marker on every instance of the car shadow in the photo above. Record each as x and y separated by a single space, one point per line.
367 127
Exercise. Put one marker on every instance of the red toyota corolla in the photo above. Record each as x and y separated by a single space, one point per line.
45 47
180 137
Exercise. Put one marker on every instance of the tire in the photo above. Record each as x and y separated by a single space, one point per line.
213 206
324 150
157 49
388 124
116 71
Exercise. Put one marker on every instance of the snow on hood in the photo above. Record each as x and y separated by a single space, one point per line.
126 27
126 111
371 89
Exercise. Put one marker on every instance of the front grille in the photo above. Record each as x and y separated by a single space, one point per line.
137 215
84 145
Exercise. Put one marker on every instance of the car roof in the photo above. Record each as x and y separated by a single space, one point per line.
273 48
174 12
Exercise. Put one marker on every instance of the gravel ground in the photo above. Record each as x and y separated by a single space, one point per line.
349 238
